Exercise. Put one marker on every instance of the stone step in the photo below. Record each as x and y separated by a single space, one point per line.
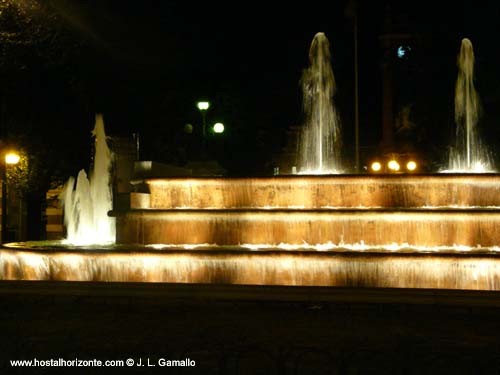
344 269
413 228
313 192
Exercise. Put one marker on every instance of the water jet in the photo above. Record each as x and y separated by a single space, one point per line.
88 201
468 155
320 139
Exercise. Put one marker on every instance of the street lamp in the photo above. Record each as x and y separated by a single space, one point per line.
11 158
203 107
218 128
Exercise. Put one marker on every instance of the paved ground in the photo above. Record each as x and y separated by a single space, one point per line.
250 330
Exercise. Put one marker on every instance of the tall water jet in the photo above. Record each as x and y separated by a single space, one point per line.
319 150
87 204
468 155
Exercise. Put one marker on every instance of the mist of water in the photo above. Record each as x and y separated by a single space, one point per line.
319 150
86 203
468 155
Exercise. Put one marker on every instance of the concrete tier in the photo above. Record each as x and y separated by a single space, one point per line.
312 192
417 228
342 269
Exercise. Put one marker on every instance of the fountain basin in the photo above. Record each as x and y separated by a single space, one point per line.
477 270
269 231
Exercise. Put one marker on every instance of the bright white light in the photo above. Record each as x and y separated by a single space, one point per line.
219 128
203 106
12 158
376 166
393 165
319 171
411 165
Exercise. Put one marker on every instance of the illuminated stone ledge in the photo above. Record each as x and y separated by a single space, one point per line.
340 269
312 192
373 227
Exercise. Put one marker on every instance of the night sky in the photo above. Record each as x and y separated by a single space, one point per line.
145 64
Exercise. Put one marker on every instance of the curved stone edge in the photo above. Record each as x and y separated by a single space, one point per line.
329 269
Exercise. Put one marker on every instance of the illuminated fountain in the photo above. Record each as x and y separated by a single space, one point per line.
395 231
87 204
320 138
420 212
468 155
391 231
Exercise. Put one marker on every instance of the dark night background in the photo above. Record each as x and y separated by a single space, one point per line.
145 64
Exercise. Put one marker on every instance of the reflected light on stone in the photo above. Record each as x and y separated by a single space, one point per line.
477 271
329 246
183 246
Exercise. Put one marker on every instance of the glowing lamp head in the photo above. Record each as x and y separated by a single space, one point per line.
393 165
12 158
376 166
203 106
218 128
411 165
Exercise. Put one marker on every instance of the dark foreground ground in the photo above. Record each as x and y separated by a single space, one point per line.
249 330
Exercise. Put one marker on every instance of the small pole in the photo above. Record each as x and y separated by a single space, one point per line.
356 93
204 134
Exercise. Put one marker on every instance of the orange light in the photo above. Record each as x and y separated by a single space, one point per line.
376 166
393 165
411 165
12 158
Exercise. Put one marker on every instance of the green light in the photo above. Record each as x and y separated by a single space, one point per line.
219 128
203 106
188 128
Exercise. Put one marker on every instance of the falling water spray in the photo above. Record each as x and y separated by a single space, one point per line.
86 204
320 142
468 155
